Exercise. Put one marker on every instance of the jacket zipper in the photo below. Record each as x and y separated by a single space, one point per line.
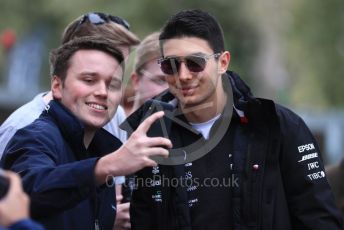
96 210
96 224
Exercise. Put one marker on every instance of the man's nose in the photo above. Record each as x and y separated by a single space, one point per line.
184 73
102 89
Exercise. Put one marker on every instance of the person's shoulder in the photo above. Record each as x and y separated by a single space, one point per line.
113 125
272 110
118 118
42 129
27 224
25 114
291 124
41 135
287 116
120 114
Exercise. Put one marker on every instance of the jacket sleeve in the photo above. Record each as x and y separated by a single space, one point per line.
53 184
26 224
310 199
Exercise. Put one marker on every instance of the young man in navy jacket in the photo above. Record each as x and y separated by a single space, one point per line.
238 162
66 159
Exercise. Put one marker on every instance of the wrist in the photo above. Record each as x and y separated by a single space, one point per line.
102 170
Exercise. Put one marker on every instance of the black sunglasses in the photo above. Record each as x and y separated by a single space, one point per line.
97 18
194 63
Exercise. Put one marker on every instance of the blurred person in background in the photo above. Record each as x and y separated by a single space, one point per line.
15 205
147 78
147 81
93 23
127 102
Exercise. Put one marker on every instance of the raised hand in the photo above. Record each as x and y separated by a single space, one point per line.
135 153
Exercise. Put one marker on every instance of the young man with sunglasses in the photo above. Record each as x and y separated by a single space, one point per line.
238 162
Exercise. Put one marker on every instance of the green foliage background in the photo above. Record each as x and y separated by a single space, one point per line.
310 36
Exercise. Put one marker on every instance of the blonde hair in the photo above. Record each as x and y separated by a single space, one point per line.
148 50
110 30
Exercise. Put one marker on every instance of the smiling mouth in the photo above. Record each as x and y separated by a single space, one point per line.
187 90
186 87
96 106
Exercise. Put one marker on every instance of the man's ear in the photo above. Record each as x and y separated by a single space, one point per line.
56 87
135 78
223 62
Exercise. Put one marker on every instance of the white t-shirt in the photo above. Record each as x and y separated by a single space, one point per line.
204 127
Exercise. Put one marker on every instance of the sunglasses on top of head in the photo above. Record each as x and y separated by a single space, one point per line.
194 63
97 18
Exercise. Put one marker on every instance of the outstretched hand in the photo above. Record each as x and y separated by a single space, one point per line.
135 153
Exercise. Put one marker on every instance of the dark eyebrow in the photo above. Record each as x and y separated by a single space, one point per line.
197 54
93 74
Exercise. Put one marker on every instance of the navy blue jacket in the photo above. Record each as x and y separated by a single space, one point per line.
58 172
26 224
282 180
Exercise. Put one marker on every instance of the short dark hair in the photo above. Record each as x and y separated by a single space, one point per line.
62 55
194 23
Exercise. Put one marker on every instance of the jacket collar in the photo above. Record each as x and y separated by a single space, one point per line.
73 132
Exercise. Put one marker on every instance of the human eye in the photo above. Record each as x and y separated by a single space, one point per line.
88 79
115 85
159 81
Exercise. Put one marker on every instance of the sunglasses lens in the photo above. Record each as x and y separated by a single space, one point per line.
195 64
100 18
119 21
170 66
96 18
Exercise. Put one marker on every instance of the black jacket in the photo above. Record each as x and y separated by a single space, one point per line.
283 185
